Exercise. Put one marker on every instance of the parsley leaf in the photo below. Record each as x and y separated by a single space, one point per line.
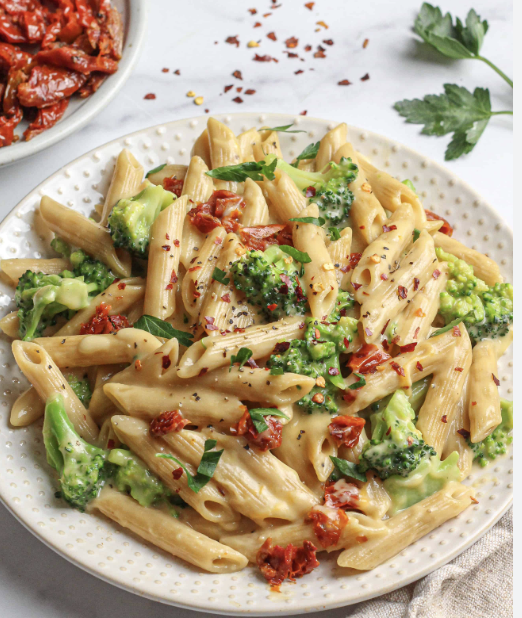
300 256
416 234
283 129
457 111
334 233
257 415
310 152
159 328
345 468
319 221
219 275
360 382
242 171
457 41
156 169
206 468
448 327
241 357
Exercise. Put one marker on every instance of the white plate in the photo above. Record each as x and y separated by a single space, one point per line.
106 551
82 111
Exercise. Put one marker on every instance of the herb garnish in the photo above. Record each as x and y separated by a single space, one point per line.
241 357
156 169
334 233
257 415
319 221
256 170
310 152
300 256
159 328
283 129
361 382
219 275
448 327
345 468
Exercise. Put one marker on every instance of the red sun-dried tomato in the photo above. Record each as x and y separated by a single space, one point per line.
446 227
103 323
266 440
174 185
278 563
367 358
341 495
328 524
48 85
167 422
223 208
346 430
260 237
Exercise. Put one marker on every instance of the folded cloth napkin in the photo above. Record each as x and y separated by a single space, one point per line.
477 583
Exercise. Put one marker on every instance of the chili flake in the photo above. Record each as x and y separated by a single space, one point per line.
464 433
397 368
271 36
309 5
444 419
495 379
407 348
227 88
250 91
419 366
291 42
386 228
402 292
177 473
233 40
456 331
365 43
265 58
436 273
122 285
365 77
237 75
238 100
150 96
459 369
344 82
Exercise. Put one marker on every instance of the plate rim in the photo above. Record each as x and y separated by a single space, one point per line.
138 18
423 572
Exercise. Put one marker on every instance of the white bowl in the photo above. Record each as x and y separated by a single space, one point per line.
107 551
82 111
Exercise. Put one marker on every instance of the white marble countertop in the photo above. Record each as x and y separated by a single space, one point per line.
34 581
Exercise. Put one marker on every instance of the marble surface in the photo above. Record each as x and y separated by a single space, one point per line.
34 581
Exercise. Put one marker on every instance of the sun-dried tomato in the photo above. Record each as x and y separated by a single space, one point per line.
278 563
102 323
223 208
446 227
328 524
346 430
367 358
7 127
174 185
341 495
76 60
260 237
167 422
48 85
266 440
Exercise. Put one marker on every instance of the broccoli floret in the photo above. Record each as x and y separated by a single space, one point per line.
92 271
270 280
131 219
430 476
317 356
332 195
486 311
81 389
418 392
41 297
60 246
131 475
80 465
496 443
396 446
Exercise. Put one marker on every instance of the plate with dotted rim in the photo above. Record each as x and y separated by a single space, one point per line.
82 111
107 551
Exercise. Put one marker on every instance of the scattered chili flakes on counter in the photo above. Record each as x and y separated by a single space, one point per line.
250 91
237 75
303 113
252 11
328 42
344 82
177 72
298 72
227 88
232 40
365 78
150 96
165 70
271 36
365 43
320 53
265 58
237 100
322 23
291 42
309 5
258 24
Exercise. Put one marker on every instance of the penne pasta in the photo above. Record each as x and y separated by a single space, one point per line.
256 208
126 182
284 198
171 170
330 144
15 268
27 409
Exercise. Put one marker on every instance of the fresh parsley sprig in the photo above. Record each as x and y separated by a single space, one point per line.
257 170
300 256
343 467
242 357
457 40
155 169
310 152
220 276
258 417
159 328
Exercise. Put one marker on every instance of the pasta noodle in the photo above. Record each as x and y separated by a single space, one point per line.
125 182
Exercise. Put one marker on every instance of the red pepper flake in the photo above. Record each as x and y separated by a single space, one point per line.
239 330
177 72
194 268
385 327
111 444
173 277
218 240
309 5
308 48
474 500
169 286
291 42
137 365
298 72
402 292
177 473
495 379
446 227
233 40
385 344
176 243
196 294
384 277
267 14
356 286
239 89
252 11
397 368
407 348
473 403
310 192
328 42
456 331
291 54
365 43
354 260
250 91
265 58
238 100
416 334
165 247
459 369
368 332
258 24
237 75
102 323
271 36
122 285
165 361
333 371
464 433
165 70
150 96
365 78
344 82
210 323
319 54
350 396
436 273
203 372
361 227
444 419
416 283
419 366
167 422
303 113
272 307
227 88
226 298
386 228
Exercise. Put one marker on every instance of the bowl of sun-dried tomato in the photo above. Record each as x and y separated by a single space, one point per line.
61 62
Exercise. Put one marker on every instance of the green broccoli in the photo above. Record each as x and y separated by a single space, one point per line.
270 280
41 297
131 219
61 247
429 477
81 388
330 188
317 356
92 271
486 311
396 446
80 465
496 443
418 392
132 476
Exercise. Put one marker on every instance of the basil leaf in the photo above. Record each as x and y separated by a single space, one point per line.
257 415
310 152
359 383
159 328
209 445
346 468
283 129
300 256
319 221
242 171
334 233
416 234
277 371
241 357
206 468
156 169
446 328
219 275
